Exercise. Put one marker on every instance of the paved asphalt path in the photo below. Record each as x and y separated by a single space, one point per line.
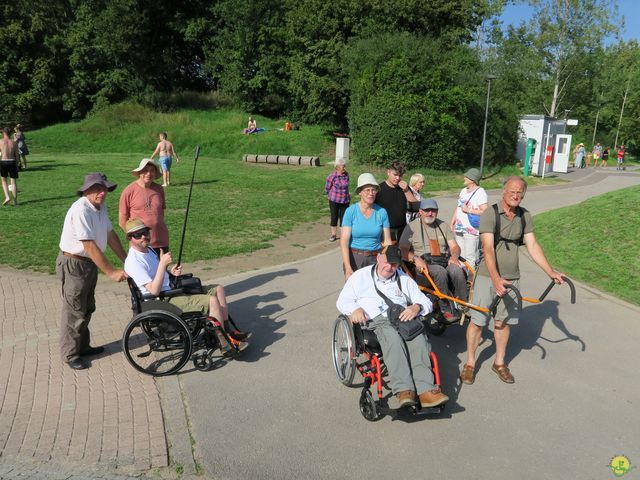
280 413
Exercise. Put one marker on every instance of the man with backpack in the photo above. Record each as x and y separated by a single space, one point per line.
503 228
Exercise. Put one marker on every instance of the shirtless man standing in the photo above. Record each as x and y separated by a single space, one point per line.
166 152
9 166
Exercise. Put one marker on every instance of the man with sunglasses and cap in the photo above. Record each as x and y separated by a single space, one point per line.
407 362
145 199
150 272
86 233
429 244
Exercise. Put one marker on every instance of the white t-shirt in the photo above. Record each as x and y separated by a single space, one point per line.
84 222
142 267
478 197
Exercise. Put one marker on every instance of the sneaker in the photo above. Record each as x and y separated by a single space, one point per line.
239 335
406 398
238 345
333 238
433 398
164 185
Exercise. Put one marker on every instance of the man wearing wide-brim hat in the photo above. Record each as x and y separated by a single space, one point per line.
145 199
86 233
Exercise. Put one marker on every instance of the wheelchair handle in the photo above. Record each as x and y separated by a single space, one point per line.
553 284
494 304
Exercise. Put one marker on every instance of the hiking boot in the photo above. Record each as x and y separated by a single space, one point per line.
406 398
433 398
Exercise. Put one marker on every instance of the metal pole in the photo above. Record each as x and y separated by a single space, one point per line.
186 214
624 100
486 117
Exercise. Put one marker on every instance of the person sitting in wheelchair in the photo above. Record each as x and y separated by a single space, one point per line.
428 243
407 361
151 276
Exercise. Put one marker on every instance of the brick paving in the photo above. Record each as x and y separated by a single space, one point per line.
108 416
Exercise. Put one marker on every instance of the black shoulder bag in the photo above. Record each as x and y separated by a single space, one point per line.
407 330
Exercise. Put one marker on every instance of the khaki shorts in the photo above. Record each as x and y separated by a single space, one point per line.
197 302
483 295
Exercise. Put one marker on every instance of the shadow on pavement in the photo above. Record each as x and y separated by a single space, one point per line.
257 280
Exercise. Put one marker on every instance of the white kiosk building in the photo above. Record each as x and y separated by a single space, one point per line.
547 132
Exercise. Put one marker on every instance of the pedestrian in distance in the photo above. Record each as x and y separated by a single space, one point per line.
336 188
9 159
86 233
165 152
605 157
597 154
19 138
145 199
620 153
503 228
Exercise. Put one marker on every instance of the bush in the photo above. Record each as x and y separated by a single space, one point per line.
415 100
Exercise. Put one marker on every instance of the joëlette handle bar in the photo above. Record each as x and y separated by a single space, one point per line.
186 215
553 284
548 289
494 305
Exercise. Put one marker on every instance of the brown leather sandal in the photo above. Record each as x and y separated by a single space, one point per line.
468 374
503 373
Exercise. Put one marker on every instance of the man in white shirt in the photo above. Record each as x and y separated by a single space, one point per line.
150 273
408 362
86 233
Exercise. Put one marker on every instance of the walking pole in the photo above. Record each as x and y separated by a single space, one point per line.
186 215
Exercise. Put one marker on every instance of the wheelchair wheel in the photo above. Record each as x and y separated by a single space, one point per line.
368 407
157 343
434 326
344 350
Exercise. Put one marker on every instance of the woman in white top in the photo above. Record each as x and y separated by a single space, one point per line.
416 182
465 222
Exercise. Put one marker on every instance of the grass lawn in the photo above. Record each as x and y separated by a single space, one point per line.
596 242
236 207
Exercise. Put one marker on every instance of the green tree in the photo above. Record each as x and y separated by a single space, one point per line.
416 100
33 61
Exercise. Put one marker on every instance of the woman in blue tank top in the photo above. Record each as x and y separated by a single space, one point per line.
364 225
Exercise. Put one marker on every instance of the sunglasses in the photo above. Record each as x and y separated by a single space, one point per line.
138 235
429 210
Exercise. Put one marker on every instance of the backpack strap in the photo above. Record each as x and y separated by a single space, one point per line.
497 237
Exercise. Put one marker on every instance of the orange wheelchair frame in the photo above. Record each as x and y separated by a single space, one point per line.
437 324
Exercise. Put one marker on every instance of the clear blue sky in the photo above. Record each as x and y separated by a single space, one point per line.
630 9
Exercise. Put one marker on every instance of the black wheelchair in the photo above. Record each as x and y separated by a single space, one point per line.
161 338
357 349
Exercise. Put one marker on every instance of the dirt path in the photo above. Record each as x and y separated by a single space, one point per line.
302 242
